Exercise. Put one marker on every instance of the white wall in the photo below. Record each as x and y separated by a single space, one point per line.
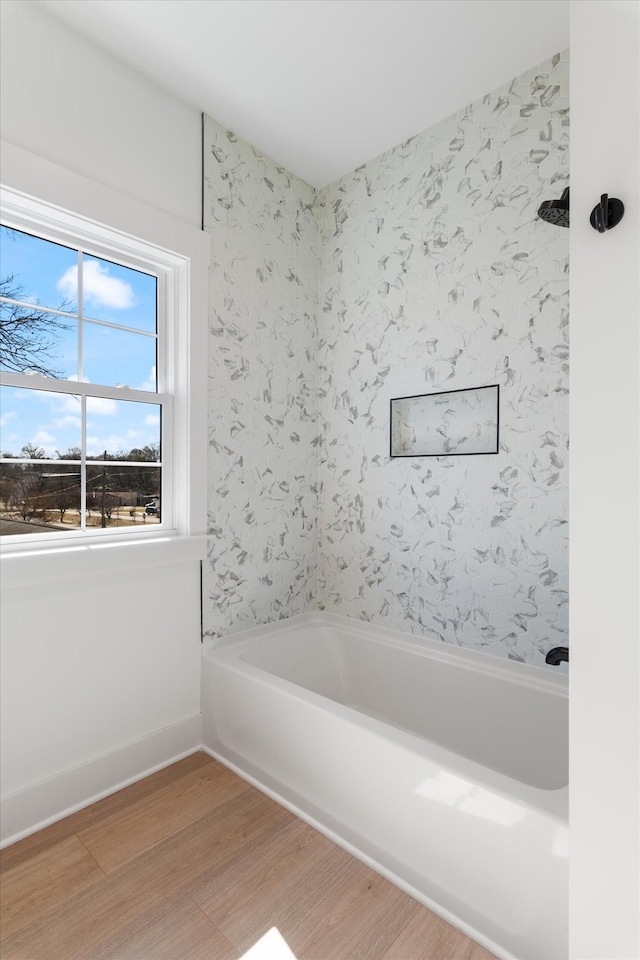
100 648
605 308
91 666
64 99
101 665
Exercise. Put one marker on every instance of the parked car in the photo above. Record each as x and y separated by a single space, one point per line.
151 509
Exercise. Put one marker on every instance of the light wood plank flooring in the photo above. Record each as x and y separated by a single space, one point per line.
193 863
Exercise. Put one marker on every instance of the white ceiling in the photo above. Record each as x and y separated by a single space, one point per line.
324 85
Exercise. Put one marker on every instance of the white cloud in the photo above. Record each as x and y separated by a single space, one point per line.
68 421
97 445
46 440
152 420
102 406
130 438
98 287
42 437
9 415
151 382
70 403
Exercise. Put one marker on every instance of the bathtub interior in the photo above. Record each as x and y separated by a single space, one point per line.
511 718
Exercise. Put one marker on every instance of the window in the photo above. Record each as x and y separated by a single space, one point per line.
94 381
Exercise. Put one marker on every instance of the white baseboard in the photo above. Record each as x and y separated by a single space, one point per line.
49 800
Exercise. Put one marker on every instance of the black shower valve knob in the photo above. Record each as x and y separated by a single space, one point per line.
606 214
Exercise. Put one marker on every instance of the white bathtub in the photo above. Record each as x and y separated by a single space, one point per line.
444 769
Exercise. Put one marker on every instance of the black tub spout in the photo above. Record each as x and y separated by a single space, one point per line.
557 655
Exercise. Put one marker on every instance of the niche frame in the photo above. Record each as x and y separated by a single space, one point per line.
489 449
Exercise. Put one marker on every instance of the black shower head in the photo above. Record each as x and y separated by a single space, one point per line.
556 211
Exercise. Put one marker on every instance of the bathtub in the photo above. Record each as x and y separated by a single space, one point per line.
442 768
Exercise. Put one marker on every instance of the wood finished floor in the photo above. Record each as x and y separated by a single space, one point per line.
193 863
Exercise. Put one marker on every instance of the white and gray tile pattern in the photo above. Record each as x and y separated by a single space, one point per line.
434 274
262 557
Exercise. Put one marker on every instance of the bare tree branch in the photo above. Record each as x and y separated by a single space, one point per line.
27 336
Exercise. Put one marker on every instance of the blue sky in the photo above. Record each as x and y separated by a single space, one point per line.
48 274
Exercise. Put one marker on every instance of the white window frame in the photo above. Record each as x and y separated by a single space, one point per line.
96 240
184 274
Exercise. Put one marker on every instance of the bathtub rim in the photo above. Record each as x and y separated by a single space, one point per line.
552 803
525 674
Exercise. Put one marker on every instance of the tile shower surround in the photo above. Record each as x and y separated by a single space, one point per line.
425 269
262 518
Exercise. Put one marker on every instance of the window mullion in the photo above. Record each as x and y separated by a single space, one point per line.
80 314
81 389
83 467
39 307
163 383
120 326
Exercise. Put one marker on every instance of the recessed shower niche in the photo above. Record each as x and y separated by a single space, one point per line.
450 423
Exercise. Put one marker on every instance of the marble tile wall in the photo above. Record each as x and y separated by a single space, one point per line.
426 269
262 556
435 274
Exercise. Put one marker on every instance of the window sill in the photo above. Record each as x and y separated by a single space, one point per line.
51 564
